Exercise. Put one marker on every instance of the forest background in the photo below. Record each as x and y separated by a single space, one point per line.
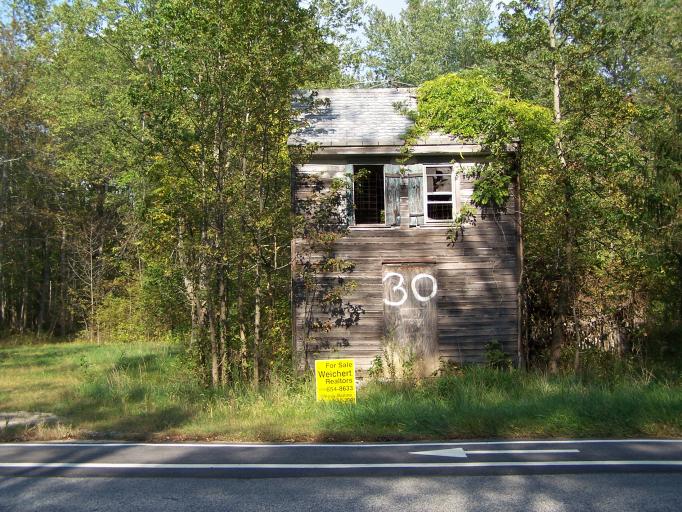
145 177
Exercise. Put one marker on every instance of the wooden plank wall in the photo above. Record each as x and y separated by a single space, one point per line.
411 316
477 279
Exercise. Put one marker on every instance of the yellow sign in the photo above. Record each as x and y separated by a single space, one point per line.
335 379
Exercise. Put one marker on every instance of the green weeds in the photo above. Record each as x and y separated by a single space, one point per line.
149 391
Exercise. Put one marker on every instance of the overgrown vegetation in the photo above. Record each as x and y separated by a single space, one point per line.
594 276
149 391
145 175
320 279
144 168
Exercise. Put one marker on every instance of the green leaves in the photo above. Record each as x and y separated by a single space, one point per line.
465 105
491 189
430 38
470 106
586 222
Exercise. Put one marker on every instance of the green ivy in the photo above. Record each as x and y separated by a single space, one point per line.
466 215
464 104
472 107
491 188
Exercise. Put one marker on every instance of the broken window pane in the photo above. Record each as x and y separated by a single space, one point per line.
439 192
439 183
440 198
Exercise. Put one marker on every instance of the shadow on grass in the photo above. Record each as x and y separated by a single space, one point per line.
44 356
137 397
495 409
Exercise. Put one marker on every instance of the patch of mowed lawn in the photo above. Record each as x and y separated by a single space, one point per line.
148 391
118 388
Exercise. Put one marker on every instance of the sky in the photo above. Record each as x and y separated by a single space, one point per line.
389 6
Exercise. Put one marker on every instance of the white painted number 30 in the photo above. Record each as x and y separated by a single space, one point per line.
401 288
434 287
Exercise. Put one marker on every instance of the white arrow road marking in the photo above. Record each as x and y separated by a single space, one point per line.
521 451
450 452
460 452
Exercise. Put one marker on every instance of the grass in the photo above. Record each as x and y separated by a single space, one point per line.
145 391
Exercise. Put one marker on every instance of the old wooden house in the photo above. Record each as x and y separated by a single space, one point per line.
410 293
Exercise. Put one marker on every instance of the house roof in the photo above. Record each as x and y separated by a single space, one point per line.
349 121
357 117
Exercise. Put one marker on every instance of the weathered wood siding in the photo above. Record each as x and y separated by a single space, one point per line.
411 315
477 278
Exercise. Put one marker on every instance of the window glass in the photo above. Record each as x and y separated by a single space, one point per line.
439 193
438 179
439 198
440 211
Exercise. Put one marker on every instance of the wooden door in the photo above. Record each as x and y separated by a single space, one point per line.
410 292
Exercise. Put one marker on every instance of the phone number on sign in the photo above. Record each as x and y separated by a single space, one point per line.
332 389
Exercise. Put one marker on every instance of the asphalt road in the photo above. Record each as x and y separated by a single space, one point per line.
277 460
620 492
581 475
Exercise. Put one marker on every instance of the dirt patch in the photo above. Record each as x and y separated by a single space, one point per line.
25 419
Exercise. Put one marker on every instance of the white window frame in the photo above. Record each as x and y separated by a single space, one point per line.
455 180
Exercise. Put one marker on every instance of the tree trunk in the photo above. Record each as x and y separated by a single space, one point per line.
4 208
43 310
271 284
225 360
63 280
243 345
215 375
256 326
566 263
91 283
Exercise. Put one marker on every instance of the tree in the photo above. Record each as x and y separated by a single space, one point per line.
28 190
215 93
430 38
340 25
652 74
583 252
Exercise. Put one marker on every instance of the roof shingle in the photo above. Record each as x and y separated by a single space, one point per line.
357 117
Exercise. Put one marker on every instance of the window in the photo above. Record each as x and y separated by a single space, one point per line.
368 193
440 193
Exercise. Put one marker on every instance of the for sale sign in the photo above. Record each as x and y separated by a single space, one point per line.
335 380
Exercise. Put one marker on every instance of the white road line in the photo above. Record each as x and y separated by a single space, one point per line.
396 465
323 445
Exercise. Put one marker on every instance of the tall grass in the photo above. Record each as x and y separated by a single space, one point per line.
489 403
148 390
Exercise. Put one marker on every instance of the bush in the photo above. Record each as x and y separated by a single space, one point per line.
152 308
496 357
121 319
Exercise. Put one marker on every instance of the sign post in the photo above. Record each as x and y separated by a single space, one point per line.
335 380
